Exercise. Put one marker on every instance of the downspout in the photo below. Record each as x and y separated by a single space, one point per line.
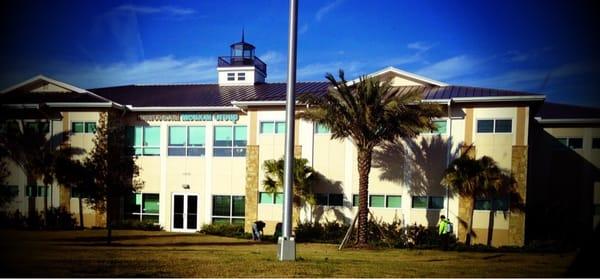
449 154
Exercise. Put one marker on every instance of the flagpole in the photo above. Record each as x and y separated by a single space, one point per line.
287 245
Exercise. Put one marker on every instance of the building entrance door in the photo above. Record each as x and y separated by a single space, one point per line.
185 212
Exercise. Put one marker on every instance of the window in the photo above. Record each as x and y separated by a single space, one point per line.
494 126
376 201
36 191
272 127
186 141
440 127
499 204
355 200
419 202
596 143
230 76
428 202
269 198
145 140
230 141
228 210
83 127
10 190
321 129
241 76
574 143
76 193
393 201
39 127
143 207
329 199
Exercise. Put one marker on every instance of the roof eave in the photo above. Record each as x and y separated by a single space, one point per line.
536 98
189 108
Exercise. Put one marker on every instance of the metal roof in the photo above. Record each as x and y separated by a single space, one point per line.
563 111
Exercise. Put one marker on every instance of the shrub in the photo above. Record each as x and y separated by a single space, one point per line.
138 225
230 230
59 218
12 220
330 232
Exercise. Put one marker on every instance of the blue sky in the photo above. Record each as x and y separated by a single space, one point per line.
537 46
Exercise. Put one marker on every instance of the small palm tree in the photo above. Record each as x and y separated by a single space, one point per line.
305 178
472 178
370 113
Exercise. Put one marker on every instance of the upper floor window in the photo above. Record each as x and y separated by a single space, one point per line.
241 76
145 140
574 143
230 76
230 141
272 127
440 127
186 141
269 198
494 126
83 127
321 129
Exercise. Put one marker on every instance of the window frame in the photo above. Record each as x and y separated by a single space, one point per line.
317 131
141 212
236 150
275 127
492 203
231 217
143 139
567 143
85 124
355 199
428 202
429 133
186 147
273 198
241 76
494 120
230 76
328 196
595 143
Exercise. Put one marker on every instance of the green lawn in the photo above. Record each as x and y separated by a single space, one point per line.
156 254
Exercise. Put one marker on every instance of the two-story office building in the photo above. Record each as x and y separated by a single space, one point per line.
201 148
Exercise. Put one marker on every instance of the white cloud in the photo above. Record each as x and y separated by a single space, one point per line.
420 46
166 69
272 57
303 29
450 68
171 10
324 10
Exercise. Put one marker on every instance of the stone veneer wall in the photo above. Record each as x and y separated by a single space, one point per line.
251 205
516 225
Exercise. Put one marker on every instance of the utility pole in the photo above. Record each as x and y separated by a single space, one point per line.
287 245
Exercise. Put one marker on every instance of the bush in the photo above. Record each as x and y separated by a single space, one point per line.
230 230
137 225
330 232
59 218
12 220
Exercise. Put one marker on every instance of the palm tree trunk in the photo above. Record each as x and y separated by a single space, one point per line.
45 204
80 212
32 213
364 167
108 222
470 227
491 226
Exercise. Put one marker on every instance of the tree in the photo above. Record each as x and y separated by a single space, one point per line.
30 148
74 174
6 196
480 178
304 180
369 112
112 167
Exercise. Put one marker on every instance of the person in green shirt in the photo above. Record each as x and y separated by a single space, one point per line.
443 232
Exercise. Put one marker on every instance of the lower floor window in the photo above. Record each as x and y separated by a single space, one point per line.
428 202
36 191
498 204
228 209
329 199
142 207
269 198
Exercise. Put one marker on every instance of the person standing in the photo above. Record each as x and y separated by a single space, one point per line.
444 232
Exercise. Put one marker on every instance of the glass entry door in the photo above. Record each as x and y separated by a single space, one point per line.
185 212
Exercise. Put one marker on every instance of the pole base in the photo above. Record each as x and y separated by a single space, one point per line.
286 249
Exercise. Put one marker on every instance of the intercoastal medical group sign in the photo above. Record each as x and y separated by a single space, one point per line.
190 117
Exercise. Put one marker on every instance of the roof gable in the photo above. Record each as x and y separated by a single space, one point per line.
402 78
42 83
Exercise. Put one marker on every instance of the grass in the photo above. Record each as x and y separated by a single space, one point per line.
163 254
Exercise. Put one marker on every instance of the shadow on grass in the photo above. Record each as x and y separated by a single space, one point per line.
172 244
120 237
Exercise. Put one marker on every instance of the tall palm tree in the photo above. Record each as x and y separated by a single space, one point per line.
471 178
369 112
305 178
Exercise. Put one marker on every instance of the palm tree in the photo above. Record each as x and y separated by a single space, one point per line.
304 179
369 112
35 153
472 178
